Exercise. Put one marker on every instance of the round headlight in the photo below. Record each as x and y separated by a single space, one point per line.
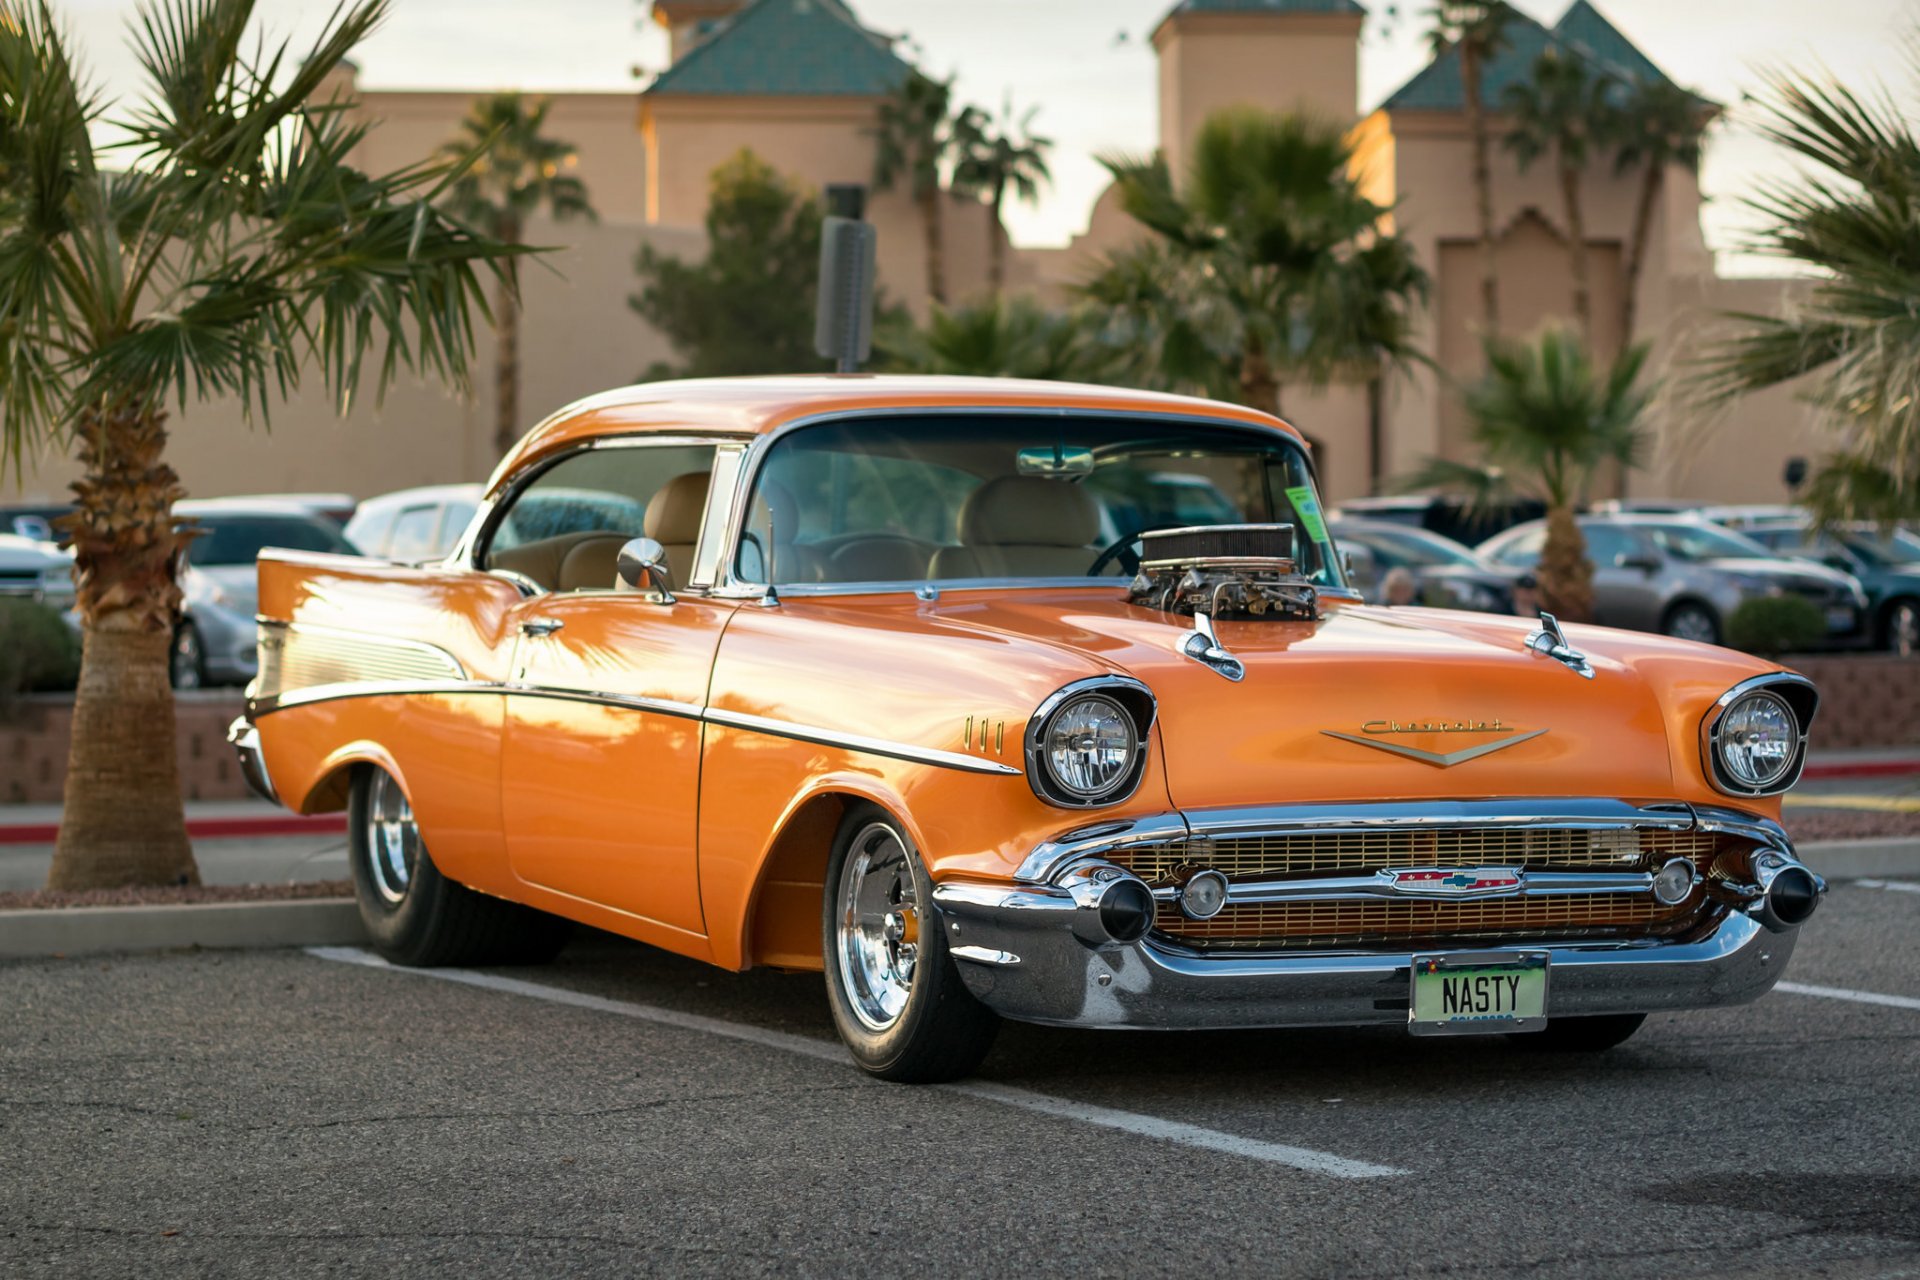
1759 738
1089 746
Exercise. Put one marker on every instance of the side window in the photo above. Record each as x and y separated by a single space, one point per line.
564 530
1524 551
413 533
1606 543
369 530
454 519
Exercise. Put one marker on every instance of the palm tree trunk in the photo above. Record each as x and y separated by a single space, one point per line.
122 821
936 246
996 245
506 356
1577 253
1482 188
1565 573
1637 248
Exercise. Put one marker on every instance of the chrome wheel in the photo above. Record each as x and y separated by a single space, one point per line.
1691 622
393 839
877 926
1903 629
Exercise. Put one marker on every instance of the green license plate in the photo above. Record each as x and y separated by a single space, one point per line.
1468 992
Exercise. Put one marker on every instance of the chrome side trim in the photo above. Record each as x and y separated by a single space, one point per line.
266 705
1802 689
857 742
302 655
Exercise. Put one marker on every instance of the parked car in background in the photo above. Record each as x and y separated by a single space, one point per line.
215 641
35 520
1446 574
1684 576
1886 563
414 526
337 507
33 569
1448 516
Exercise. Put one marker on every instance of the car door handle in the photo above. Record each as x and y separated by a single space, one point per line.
540 626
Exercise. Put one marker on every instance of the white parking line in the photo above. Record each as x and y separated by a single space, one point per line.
1844 993
1898 886
1173 1131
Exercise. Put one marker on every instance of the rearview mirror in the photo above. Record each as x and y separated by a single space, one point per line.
1052 461
642 567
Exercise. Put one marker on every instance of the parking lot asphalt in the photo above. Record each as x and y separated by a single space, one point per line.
623 1111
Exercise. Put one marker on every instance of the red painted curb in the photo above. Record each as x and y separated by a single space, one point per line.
292 824
1864 769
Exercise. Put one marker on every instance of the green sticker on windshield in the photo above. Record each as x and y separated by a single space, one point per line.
1307 507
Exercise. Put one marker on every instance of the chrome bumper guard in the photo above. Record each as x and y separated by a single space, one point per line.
1034 951
244 737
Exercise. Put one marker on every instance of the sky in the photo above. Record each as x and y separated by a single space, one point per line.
1088 67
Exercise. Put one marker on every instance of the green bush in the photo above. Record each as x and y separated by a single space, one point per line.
1772 625
38 650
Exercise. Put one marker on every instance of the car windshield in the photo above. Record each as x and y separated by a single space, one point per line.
1414 548
238 539
1886 551
982 496
1706 542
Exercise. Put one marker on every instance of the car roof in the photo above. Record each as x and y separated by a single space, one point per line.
198 507
756 406
424 494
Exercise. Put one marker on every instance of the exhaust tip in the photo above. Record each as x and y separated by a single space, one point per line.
1793 896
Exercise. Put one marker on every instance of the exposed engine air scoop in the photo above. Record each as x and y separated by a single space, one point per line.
1224 571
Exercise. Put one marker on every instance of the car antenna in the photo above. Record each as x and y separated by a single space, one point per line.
771 600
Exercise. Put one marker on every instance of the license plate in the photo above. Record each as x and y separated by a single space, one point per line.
1476 992
1839 618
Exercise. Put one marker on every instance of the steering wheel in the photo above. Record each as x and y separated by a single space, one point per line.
1122 550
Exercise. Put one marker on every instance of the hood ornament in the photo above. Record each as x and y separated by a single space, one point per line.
1204 647
1552 641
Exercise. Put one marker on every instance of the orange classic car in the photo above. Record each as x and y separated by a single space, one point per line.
997 699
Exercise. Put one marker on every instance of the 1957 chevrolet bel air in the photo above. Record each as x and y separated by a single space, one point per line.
1000 699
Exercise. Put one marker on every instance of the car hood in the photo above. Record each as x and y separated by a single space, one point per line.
1384 703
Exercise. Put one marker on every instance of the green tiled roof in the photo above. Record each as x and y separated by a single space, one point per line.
1267 6
790 48
1581 30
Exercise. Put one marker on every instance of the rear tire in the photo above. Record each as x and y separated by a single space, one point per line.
897 998
1582 1035
416 916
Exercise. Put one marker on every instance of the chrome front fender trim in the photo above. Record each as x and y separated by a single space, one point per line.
1796 689
858 742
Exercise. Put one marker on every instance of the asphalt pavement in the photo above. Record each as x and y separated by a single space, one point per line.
626 1112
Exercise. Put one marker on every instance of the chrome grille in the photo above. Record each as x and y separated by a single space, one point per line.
1357 923
1360 852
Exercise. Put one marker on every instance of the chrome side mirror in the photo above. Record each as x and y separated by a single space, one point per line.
642 567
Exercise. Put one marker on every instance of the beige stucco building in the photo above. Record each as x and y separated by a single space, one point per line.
800 82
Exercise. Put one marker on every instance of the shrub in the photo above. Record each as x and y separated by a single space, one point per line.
38 650
1772 625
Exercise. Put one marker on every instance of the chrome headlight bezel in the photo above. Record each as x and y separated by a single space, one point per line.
1801 700
1132 697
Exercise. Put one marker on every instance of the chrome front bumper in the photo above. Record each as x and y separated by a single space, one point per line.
1034 952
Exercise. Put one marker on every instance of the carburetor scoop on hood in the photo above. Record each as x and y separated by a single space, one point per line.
1224 571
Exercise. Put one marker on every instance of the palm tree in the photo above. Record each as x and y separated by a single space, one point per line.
995 159
1003 338
1546 418
1656 124
1268 265
235 250
1564 108
1478 28
519 173
1855 220
914 142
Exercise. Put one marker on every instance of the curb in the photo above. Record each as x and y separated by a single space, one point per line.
1845 859
291 824
73 931
1862 769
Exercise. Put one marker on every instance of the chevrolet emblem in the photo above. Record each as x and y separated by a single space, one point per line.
1438 759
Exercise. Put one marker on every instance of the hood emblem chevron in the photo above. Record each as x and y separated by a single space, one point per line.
1438 759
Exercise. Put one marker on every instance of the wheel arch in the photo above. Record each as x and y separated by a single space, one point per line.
333 781
780 921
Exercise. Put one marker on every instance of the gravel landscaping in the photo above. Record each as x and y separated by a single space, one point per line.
173 895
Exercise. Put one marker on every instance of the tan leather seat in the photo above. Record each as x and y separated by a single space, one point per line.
1022 527
673 521
567 562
